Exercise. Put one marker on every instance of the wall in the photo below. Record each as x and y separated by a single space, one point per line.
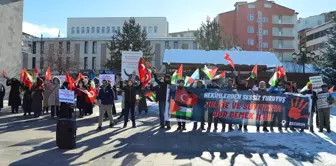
310 22
11 14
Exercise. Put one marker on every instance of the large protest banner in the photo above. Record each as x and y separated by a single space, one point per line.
240 107
129 62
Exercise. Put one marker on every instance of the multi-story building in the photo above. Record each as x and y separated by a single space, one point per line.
107 26
88 38
262 26
317 36
313 21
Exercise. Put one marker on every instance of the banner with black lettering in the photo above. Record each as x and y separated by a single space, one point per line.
239 107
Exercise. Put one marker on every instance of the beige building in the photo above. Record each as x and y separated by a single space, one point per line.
317 36
189 33
92 53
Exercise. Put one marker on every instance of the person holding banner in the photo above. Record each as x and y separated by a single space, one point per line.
241 85
200 86
324 113
229 87
81 98
161 95
276 89
105 99
213 85
53 99
262 89
181 124
313 108
130 99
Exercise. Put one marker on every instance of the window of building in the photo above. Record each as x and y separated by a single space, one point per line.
85 62
72 29
77 31
155 29
280 31
93 63
68 47
175 44
33 62
265 19
265 45
250 17
250 29
166 44
280 44
87 29
145 29
150 30
250 42
103 29
279 19
108 30
83 30
113 30
267 5
251 6
194 45
98 29
34 48
265 32
94 47
86 47
118 29
92 29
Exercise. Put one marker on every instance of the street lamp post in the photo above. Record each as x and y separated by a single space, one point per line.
303 57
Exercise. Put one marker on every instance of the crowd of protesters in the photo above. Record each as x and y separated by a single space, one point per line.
43 96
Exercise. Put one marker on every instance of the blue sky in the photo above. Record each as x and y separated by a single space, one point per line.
48 16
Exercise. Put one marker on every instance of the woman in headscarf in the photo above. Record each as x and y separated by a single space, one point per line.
14 95
27 101
37 97
81 97
46 93
88 104
53 100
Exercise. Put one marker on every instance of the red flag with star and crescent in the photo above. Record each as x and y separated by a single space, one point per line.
144 72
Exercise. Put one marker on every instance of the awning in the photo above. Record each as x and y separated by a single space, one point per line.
216 57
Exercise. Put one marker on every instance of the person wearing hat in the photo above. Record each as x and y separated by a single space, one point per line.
324 113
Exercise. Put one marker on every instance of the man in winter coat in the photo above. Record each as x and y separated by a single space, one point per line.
14 99
161 95
105 99
130 91
314 106
199 86
324 113
241 85
213 85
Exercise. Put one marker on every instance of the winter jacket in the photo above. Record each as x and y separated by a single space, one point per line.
130 93
161 93
313 97
106 95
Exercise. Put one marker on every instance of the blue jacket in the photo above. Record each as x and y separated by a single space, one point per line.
275 89
106 95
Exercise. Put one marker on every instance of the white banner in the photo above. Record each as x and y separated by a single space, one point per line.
129 62
322 101
107 77
317 82
66 96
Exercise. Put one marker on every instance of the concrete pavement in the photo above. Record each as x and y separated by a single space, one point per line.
30 141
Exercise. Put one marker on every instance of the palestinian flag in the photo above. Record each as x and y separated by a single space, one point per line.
181 105
306 87
189 80
177 75
278 74
254 72
151 96
210 73
220 76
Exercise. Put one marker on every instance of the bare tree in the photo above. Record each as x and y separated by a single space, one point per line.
60 59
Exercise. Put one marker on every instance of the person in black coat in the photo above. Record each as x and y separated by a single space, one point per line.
214 85
241 85
14 99
27 101
130 99
313 108
199 86
37 97
2 95
81 97
161 95
66 108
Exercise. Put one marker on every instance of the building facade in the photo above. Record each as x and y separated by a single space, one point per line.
262 26
313 21
317 36
107 26
92 53
11 15
189 33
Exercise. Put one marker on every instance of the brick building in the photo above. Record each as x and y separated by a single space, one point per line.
262 26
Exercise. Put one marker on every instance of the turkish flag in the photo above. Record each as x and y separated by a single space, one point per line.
36 73
185 98
227 57
70 80
147 78
48 74
142 69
